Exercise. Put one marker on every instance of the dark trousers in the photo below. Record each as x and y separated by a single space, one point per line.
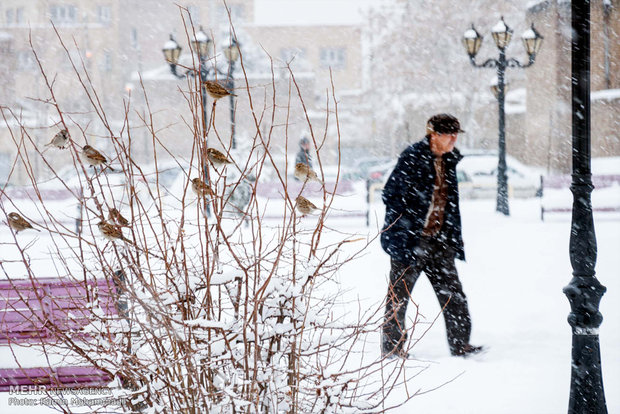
436 260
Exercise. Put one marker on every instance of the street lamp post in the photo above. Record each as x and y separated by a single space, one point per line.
232 54
584 291
201 45
502 35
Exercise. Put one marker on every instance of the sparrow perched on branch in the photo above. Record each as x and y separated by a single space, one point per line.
217 158
201 189
305 206
94 157
18 223
303 172
60 140
118 218
112 232
216 90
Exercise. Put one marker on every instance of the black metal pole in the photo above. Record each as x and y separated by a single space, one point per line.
205 118
584 291
203 91
231 78
502 180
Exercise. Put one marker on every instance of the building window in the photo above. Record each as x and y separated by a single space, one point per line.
5 47
14 16
106 63
133 37
236 13
76 57
194 13
25 61
333 57
5 167
104 14
63 14
9 15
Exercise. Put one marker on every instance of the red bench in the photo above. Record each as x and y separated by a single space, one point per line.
557 198
41 311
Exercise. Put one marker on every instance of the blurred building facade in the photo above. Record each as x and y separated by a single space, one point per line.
548 141
389 75
104 43
417 74
119 43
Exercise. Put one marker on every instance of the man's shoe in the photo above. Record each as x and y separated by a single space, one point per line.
467 350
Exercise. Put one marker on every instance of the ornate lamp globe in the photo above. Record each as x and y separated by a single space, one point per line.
501 34
532 41
172 51
201 43
472 40
494 87
232 52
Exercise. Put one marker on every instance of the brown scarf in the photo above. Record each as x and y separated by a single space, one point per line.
434 219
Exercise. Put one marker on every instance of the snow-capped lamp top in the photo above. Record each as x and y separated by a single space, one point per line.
201 36
201 43
500 27
472 41
528 34
501 34
172 51
470 34
532 41
170 45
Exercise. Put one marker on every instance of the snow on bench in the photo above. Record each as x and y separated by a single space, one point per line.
557 197
40 311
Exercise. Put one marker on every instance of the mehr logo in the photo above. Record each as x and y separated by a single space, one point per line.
27 389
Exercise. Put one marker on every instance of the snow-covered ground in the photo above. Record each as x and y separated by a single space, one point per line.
515 271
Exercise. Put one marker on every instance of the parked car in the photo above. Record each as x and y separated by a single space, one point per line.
523 181
477 176
362 168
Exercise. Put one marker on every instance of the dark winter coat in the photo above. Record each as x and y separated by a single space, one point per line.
407 197
303 157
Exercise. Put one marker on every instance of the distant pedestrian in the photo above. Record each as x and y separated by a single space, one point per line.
422 233
303 155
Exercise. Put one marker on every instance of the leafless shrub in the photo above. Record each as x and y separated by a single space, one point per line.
217 308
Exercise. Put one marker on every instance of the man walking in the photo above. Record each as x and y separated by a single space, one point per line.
422 233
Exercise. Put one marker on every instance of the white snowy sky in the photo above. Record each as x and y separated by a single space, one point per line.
308 12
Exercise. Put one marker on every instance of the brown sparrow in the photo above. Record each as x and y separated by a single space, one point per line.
60 140
201 189
118 218
111 231
216 91
305 206
94 157
303 172
217 158
18 223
